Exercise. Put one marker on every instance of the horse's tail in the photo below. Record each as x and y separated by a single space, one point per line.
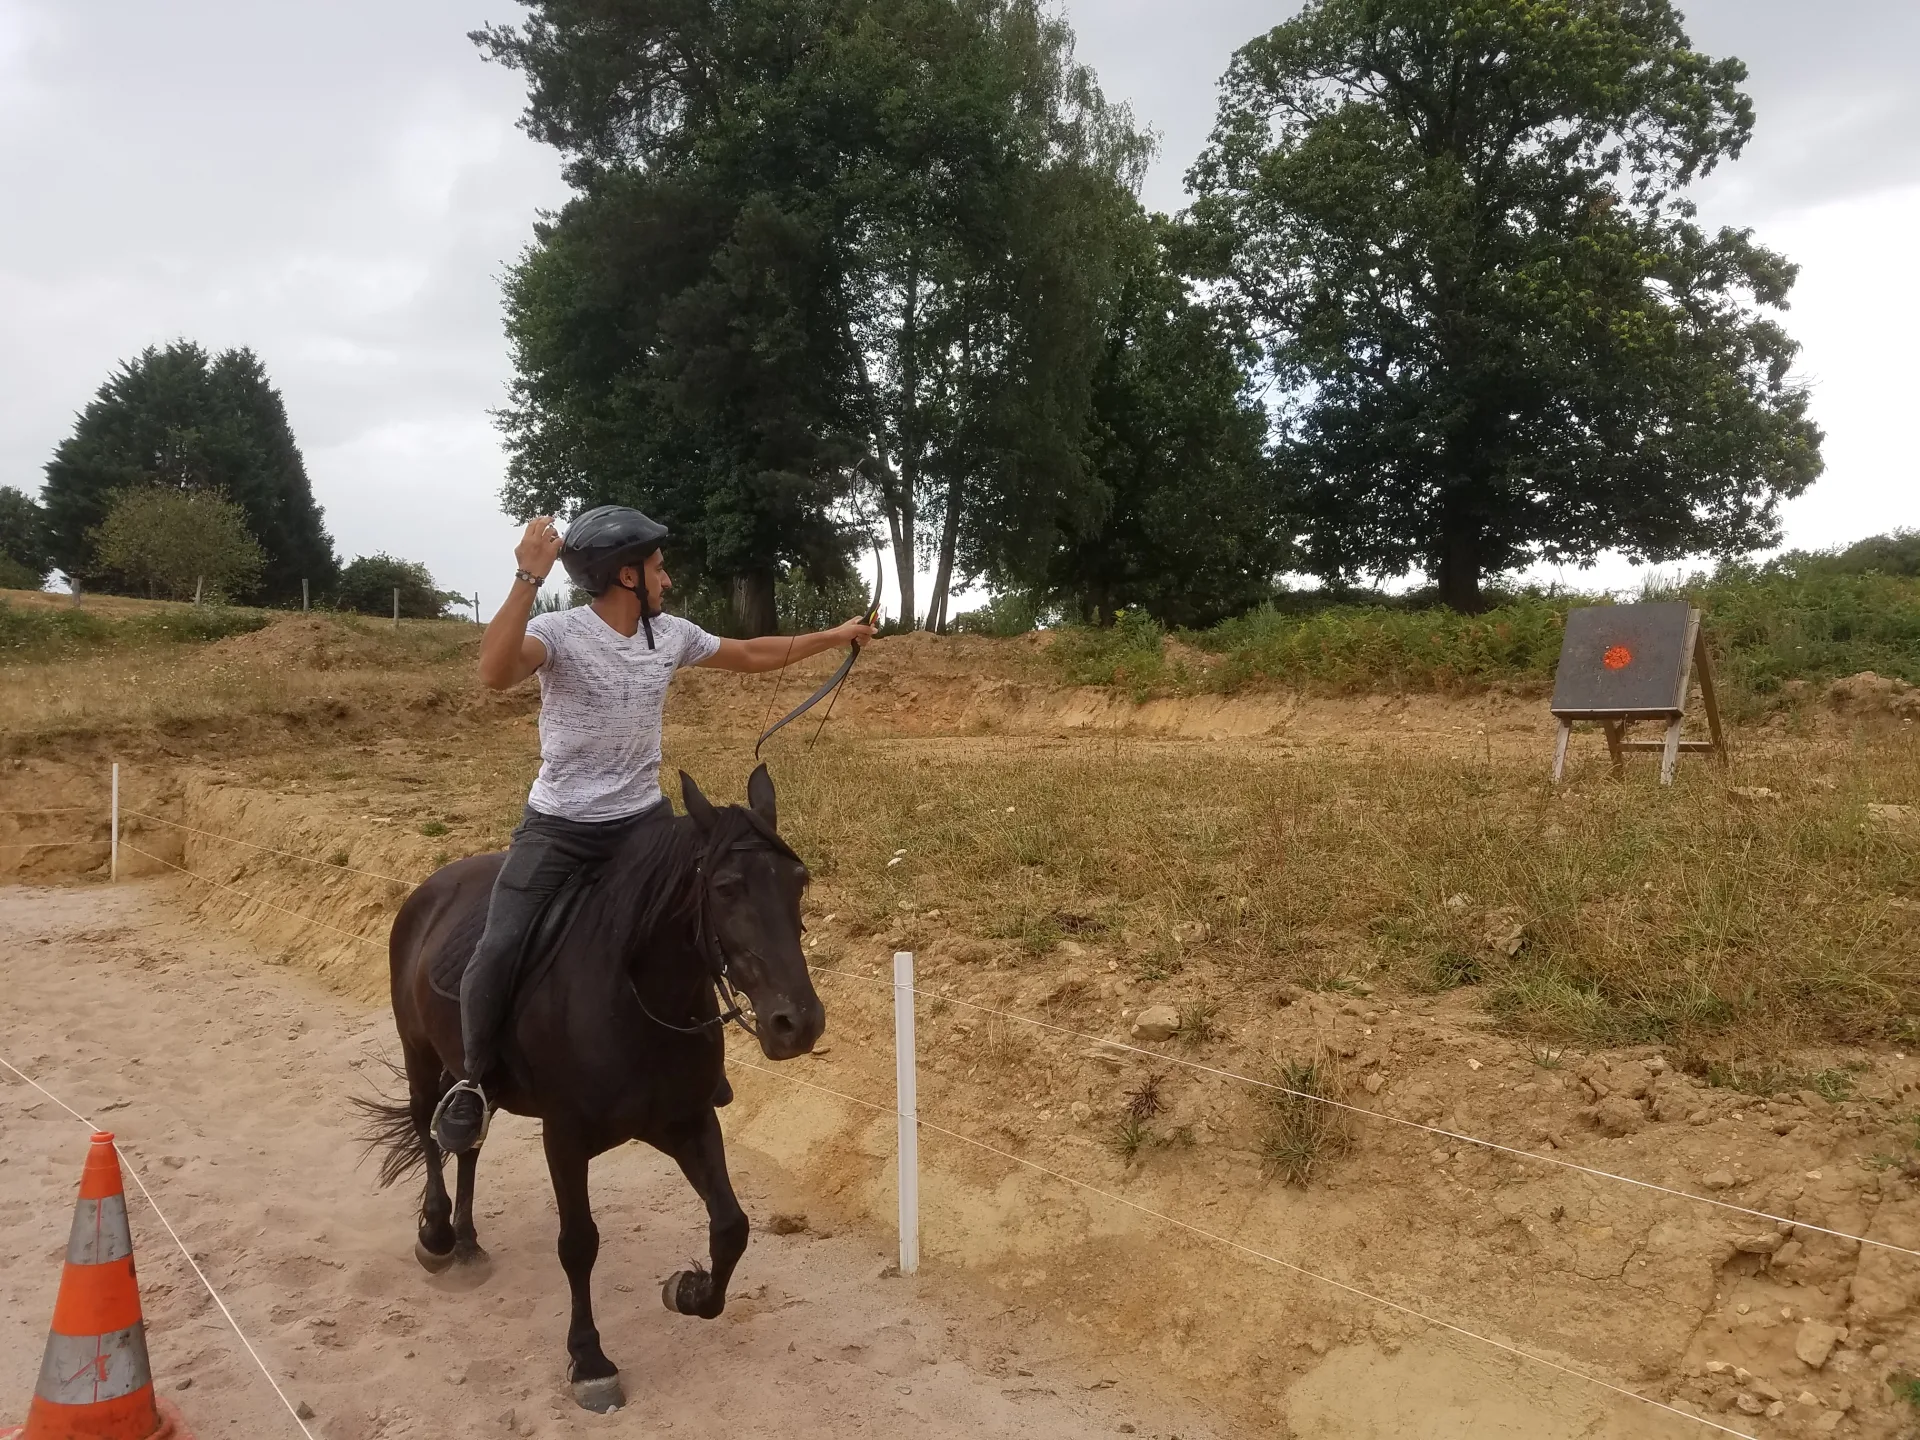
390 1129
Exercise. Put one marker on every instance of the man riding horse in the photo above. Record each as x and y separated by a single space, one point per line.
604 669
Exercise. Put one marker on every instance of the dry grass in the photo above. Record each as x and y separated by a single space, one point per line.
1302 1135
1603 911
309 671
1600 912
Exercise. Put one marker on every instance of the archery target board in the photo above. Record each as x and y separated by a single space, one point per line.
1624 661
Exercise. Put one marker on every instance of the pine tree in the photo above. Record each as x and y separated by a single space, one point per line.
180 419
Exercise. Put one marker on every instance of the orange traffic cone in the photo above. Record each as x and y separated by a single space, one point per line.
95 1382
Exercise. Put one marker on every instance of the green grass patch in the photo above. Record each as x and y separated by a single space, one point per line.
1796 619
1771 1079
1905 1387
59 632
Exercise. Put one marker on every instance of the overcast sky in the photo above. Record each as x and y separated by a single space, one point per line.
341 186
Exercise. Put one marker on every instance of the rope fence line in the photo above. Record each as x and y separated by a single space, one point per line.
285 854
1248 1250
160 1215
1435 1130
52 844
231 889
50 810
1119 1045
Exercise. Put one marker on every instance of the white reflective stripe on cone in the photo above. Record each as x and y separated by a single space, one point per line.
100 1232
85 1369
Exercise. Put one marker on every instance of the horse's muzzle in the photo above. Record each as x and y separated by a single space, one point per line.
789 1027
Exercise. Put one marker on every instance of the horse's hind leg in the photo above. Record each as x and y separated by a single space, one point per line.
434 1248
701 1153
596 1380
466 1242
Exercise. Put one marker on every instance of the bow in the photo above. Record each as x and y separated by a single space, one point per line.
832 685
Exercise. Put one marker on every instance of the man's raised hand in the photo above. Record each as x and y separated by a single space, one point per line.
539 547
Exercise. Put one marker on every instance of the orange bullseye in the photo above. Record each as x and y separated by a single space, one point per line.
1618 657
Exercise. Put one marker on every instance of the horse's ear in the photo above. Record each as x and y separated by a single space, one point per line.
760 796
698 806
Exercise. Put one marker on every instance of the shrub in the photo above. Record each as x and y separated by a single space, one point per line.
1012 613
15 576
178 544
367 586
24 561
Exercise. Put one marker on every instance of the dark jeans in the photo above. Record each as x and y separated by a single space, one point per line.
545 853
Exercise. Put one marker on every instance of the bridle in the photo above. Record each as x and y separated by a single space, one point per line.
735 1007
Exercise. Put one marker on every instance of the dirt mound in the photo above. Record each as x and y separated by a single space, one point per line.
1871 694
309 643
328 642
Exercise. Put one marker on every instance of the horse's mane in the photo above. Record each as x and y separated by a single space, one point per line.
648 880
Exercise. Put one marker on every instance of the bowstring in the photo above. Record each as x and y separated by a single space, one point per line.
873 618
774 693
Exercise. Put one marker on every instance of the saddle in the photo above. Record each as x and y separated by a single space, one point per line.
537 951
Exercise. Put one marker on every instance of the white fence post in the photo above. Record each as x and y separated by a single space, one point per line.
908 1109
396 607
113 852
303 597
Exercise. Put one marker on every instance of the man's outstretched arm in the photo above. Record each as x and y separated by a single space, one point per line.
770 652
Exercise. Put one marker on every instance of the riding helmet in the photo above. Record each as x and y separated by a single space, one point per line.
603 540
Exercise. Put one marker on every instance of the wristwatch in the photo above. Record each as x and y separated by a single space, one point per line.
527 577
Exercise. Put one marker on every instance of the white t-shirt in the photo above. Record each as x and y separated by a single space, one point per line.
601 698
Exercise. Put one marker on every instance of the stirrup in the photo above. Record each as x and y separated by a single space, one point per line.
486 1113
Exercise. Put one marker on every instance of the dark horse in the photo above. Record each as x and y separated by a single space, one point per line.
616 1034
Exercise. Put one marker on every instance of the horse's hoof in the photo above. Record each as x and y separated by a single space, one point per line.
599 1396
670 1292
471 1255
433 1264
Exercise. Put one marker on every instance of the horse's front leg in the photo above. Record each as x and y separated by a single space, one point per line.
702 1155
596 1380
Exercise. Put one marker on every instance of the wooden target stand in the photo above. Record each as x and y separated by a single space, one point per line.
1622 663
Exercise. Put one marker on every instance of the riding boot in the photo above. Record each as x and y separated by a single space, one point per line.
460 1121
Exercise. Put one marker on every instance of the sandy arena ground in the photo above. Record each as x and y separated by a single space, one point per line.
228 1083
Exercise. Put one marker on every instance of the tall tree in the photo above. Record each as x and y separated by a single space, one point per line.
982 232
1191 525
24 561
821 253
673 354
183 420
1459 226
